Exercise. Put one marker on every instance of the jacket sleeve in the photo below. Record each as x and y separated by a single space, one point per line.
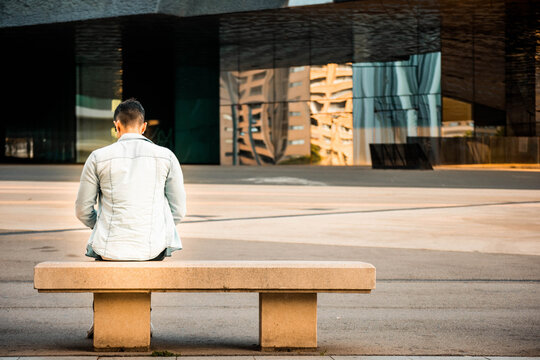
88 193
174 190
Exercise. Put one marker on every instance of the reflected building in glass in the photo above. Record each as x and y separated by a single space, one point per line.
257 130
276 82
331 106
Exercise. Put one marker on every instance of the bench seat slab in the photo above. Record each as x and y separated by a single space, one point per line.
287 320
122 321
201 276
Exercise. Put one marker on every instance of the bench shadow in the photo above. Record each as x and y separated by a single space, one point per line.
223 347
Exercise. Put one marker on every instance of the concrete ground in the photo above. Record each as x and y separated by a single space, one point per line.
471 177
266 357
456 251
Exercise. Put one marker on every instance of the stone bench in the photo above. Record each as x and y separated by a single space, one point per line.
287 293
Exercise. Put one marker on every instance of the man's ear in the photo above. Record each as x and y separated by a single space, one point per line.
143 128
118 127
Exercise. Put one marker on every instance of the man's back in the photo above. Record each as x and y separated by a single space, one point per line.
141 196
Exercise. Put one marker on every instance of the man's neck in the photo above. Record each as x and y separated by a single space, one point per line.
120 134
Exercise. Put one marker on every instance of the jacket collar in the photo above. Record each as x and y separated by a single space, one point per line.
133 136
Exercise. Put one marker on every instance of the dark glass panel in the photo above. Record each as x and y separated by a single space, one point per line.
322 55
229 81
99 84
197 126
148 54
253 56
38 87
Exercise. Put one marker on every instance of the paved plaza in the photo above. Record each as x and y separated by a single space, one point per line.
265 357
456 251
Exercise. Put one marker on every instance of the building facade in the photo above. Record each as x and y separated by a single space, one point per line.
275 81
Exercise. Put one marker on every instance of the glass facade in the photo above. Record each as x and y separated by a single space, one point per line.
292 85
301 87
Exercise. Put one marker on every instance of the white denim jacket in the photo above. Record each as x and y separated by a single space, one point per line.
139 190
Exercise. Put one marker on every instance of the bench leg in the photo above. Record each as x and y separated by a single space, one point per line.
122 321
287 320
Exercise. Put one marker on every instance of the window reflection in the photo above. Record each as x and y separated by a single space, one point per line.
95 128
324 86
394 101
350 106
19 147
331 113
258 130
458 118
99 86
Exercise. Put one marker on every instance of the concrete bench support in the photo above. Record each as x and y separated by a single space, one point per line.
287 320
287 293
122 321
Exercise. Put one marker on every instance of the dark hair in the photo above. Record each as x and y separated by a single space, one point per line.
130 112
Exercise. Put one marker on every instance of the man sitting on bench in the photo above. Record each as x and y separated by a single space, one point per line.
139 191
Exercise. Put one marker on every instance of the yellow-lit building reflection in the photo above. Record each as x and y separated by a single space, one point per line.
331 113
296 115
265 128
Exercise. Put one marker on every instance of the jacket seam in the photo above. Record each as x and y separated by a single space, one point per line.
133 157
170 165
152 213
136 138
112 211
140 137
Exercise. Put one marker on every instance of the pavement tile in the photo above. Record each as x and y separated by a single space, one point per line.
173 357
446 357
217 358
57 358
371 357
293 357
410 358
510 358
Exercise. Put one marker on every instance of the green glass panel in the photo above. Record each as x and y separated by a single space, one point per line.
197 115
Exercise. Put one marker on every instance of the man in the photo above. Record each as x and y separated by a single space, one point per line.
139 189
